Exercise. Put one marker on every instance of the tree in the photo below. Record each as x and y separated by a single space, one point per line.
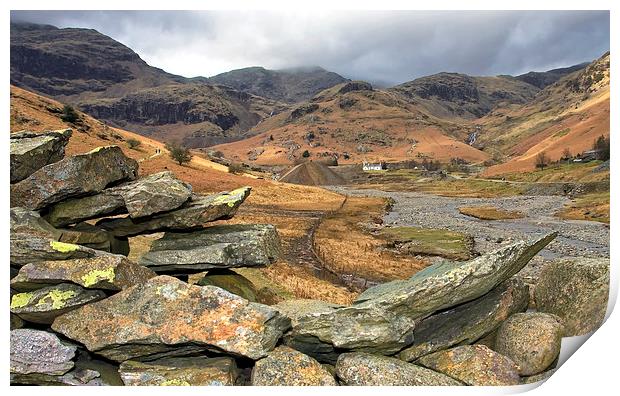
566 154
235 168
179 153
542 160
69 114
602 146
133 143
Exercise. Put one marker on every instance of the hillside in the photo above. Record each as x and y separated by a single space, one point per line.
287 85
105 78
353 123
459 96
312 173
569 114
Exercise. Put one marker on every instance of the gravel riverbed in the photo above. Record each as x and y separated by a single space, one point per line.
577 238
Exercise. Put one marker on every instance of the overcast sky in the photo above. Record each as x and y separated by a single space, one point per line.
378 46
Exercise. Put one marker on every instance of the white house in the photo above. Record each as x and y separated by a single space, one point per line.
367 166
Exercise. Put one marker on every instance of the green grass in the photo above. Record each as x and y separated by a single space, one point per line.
573 172
432 242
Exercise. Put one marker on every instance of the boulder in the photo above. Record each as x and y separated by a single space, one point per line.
16 322
324 330
532 340
193 214
73 176
538 377
166 316
232 282
44 305
364 369
184 371
31 152
222 246
576 290
474 365
468 322
383 318
156 193
109 272
287 367
29 249
36 353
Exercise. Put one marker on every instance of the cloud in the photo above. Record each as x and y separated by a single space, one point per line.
386 46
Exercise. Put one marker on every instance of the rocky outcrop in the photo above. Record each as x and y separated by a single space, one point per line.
184 371
37 354
576 290
302 110
31 152
474 365
287 367
224 246
532 340
44 305
156 193
165 315
108 272
364 369
355 86
72 177
195 213
383 318
468 322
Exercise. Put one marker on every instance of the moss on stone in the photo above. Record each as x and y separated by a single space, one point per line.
231 198
95 276
63 247
20 300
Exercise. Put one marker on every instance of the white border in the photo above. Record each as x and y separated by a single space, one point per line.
591 370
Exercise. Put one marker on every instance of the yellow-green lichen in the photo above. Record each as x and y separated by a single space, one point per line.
96 150
58 298
63 247
175 382
231 198
95 276
20 300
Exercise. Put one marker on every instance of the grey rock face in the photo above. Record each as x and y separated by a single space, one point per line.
108 272
156 193
34 239
44 305
532 340
365 369
222 246
39 352
195 213
576 290
31 152
474 365
185 371
287 367
166 316
73 176
324 330
466 323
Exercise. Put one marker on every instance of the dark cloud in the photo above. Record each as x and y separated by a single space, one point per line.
385 46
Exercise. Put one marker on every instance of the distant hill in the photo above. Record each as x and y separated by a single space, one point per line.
353 122
544 79
459 96
105 78
287 85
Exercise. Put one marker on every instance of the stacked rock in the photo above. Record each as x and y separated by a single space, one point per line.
82 313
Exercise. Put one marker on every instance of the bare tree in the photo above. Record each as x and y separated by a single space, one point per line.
542 160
